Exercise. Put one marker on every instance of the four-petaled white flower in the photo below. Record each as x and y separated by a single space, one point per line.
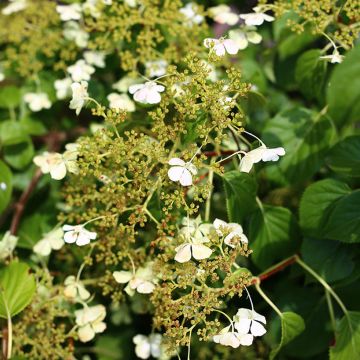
194 247
121 101
256 18
222 14
75 289
7 245
78 234
73 31
79 96
53 240
146 346
96 58
63 88
221 46
181 171
242 38
229 337
334 58
14 6
80 71
148 93
233 232
191 15
247 320
69 12
261 153
90 322
142 280
37 101
156 68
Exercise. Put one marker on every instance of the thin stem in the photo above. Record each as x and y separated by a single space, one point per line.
83 264
264 296
189 346
230 156
151 216
222 313
331 310
251 303
254 136
208 200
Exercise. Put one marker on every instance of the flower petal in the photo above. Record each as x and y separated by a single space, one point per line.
183 253
257 329
200 252
122 277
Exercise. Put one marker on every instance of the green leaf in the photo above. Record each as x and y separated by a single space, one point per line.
19 155
343 93
240 189
10 97
294 43
306 137
291 326
310 74
17 287
343 224
273 235
32 126
347 346
316 203
5 185
344 157
12 132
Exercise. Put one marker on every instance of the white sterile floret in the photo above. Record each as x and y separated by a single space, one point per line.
79 96
123 84
75 289
143 280
334 58
148 93
96 58
53 240
146 346
229 337
90 321
69 12
221 46
261 153
121 101
242 38
78 234
92 7
233 232
181 171
222 14
2 75
256 18
7 245
14 6
80 71
37 101
131 3
247 320
191 15
63 88
73 31
156 68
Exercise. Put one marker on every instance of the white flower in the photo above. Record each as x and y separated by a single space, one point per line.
58 164
69 12
247 320
80 71
148 93
232 338
92 7
221 46
191 15
72 31
7 245
230 231
96 58
142 280
37 101
156 68
78 234
195 229
107 2
123 84
131 3
75 289
261 153
242 38
222 14
14 6
79 96
90 322
181 171
147 346
334 58
256 18
195 248
63 88
2 75
117 101
52 240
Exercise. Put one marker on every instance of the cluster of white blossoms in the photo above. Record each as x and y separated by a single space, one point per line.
56 164
150 346
53 240
7 245
37 101
148 93
77 234
191 15
245 325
